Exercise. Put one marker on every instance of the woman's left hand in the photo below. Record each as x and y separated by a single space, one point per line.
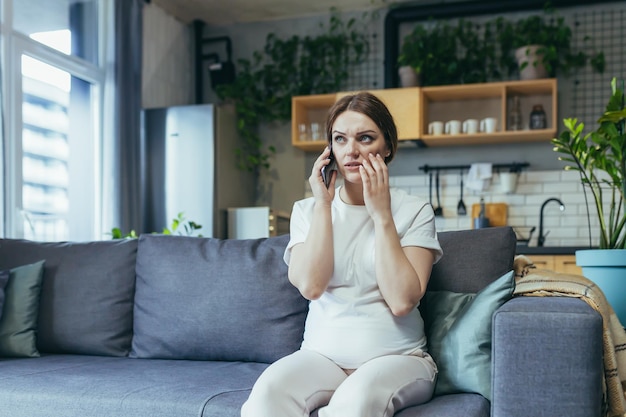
375 179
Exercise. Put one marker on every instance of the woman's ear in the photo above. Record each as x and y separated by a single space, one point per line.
387 157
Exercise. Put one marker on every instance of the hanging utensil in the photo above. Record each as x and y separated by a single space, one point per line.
438 209
430 188
461 210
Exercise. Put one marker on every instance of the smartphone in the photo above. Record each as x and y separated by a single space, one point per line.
327 170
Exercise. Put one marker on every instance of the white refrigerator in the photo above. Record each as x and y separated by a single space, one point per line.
189 166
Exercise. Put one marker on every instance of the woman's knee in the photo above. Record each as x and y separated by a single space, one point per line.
293 385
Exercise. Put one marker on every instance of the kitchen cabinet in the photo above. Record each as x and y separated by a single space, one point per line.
558 263
415 107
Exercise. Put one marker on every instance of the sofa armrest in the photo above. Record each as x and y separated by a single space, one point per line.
546 358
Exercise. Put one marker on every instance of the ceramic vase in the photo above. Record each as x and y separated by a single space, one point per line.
535 68
607 269
408 76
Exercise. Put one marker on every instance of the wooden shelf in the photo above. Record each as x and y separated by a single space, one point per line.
463 92
500 137
306 110
414 108
310 145
404 106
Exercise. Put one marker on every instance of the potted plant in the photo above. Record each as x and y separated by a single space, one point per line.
442 54
431 51
413 55
540 46
179 224
600 158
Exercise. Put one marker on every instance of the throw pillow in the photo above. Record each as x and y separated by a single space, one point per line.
18 324
4 278
458 328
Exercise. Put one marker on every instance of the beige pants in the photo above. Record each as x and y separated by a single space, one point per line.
304 381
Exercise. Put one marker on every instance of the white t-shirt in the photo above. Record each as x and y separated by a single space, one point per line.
351 322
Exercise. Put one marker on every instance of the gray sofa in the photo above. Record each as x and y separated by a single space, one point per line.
167 326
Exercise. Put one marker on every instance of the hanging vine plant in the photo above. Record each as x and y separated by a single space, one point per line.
284 68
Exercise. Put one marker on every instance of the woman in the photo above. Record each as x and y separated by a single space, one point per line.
363 254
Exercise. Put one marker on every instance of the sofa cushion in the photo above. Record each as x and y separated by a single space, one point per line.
211 299
18 324
86 295
454 405
98 386
458 330
473 258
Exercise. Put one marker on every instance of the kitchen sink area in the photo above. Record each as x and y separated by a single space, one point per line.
544 203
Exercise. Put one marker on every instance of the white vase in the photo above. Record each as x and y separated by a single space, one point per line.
607 269
535 68
408 76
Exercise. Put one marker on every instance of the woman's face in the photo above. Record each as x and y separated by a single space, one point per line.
354 137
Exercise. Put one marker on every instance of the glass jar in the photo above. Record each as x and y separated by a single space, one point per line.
515 115
538 118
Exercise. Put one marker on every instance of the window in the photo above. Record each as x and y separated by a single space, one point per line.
52 120
69 26
56 136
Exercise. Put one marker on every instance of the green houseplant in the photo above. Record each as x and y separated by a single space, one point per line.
441 53
426 51
180 226
600 159
542 41
299 65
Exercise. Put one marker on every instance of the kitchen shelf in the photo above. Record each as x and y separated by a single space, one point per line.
496 138
403 104
415 107
306 110
478 101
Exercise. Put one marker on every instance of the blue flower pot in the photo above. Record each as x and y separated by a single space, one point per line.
607 269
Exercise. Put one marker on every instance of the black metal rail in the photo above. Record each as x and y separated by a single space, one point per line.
512 167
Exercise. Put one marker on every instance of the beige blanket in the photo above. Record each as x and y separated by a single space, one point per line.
531 281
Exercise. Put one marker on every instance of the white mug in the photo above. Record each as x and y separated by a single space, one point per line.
453 127
435 128
470 126
488 124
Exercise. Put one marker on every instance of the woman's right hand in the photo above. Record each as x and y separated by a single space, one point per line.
312 261
318 188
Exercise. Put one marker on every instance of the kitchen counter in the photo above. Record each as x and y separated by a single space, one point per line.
548 250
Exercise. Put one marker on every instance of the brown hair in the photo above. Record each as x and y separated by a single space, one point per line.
371 106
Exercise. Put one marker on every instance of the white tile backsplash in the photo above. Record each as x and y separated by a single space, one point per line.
566 228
